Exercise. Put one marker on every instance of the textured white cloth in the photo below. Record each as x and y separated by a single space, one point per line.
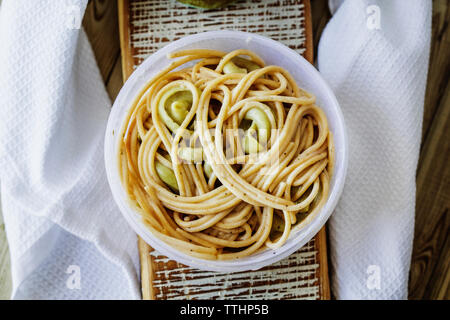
67 238
378 73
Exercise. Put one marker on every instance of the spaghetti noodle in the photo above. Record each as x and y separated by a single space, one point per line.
224 156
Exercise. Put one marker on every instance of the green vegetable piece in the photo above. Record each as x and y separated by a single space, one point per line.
166 175
174 106
178 110
230 67
245 63
262 123
251 144
258 132
239 65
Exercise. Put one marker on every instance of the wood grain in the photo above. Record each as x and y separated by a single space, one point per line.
431 252
125 44
321 236
320 17
430 264
100 22
115 81
439 63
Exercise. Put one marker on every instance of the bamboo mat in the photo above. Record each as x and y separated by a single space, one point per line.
147 25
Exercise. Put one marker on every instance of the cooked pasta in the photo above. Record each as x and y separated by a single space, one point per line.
224 156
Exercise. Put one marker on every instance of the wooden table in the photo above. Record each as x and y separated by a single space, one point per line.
430 267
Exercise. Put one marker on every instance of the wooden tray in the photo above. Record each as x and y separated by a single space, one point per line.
147 25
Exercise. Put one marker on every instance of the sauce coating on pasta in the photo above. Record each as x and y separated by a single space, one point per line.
224 156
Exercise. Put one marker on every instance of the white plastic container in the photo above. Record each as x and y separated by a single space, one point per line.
271 52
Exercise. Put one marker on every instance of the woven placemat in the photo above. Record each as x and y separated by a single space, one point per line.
146 26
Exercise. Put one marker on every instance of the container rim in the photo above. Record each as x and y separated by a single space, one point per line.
255 261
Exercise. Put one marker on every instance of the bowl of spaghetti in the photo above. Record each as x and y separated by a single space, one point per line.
226 151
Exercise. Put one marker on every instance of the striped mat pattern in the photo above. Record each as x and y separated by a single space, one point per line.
149 25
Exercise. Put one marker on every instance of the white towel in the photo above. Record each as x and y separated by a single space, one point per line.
67 238
374 54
